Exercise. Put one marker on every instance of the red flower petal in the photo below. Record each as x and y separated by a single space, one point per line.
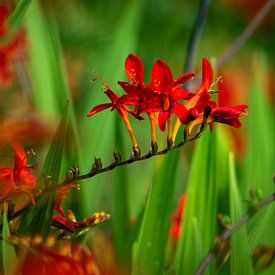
161 77
134 69
180 110
229 115
113 96
179 94
20 157
183 78
207 74
162 118
99 108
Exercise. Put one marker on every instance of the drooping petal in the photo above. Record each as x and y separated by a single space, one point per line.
180 111
183 78
112 95
99 108
229 115
207 75
134 69
162 118
130 89
161 78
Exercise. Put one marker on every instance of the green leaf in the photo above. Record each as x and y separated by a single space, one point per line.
201 205
120 217
97 140
38 220
240 254
260 158
149 255
17 15
9 258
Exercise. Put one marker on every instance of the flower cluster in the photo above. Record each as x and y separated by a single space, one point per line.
164 97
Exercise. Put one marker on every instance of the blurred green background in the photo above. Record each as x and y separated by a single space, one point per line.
66 40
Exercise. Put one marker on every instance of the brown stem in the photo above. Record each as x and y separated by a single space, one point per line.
107 168
228 232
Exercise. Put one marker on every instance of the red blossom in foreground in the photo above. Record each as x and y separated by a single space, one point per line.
121 109
19 179
164 96
201 99
177 219
49 257
161 95
169 93
226 115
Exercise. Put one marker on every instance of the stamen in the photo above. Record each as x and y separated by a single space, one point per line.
219 79
102 79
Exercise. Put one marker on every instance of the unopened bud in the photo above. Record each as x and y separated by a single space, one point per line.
97 165
170 143
117 157
154 146
136 152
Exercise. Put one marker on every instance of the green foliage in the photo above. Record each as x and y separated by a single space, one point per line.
17 15
9 258
38 220
259 165
240 252
149 251
97 140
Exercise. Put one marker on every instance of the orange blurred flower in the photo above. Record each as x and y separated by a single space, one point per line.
8 49
19 179
177 218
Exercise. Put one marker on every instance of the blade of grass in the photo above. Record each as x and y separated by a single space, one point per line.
149 254
9 258
120 215
240 253
16 17
201 205
259 166
39 218
49 79
96 140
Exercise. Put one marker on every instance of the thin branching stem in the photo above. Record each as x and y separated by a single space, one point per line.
229 231
110 167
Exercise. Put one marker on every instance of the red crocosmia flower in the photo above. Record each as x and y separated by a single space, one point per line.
177 218
168 92
226 115
201 99
114 104
122 110
134 70
17 180
60 194
137 94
